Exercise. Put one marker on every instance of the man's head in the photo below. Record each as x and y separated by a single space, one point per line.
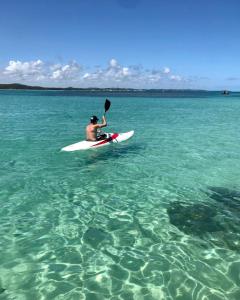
93 119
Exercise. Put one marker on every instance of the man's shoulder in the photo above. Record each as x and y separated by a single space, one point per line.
92 126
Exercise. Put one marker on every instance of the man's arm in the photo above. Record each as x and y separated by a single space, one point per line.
103 124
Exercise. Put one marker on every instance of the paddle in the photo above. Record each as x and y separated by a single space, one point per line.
107 105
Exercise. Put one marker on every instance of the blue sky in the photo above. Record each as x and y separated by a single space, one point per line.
121 43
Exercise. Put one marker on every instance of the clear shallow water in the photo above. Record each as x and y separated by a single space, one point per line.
157 217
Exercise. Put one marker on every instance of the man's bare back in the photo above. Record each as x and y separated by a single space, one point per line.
93 126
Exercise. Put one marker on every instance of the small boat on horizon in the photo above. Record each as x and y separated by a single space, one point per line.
225 92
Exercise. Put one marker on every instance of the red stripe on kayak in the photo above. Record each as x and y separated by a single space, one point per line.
112 137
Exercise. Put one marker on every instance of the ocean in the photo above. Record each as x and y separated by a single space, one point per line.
155 217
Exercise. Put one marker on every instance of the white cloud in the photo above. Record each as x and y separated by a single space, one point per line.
86 75
32 71
125 71
24 70
55 67
176 77
72 73
166 70
66 72
113 63
114 74
153 76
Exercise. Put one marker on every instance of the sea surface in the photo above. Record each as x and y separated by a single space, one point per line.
156 217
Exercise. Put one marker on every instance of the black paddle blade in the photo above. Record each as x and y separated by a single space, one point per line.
107 105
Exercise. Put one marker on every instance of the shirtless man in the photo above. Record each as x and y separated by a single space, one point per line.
92 128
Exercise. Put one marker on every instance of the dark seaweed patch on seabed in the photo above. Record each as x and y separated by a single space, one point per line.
227 197
194 218
220 218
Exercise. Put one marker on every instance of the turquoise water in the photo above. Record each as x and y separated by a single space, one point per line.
156 217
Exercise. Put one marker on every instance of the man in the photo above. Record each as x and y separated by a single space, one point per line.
92 129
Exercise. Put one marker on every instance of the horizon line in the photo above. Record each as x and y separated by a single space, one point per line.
38 87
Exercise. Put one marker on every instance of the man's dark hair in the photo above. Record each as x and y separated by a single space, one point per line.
94 119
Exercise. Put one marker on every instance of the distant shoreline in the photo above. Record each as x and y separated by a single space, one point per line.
113 91
18 86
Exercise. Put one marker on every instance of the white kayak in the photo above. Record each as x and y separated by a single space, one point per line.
111 138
